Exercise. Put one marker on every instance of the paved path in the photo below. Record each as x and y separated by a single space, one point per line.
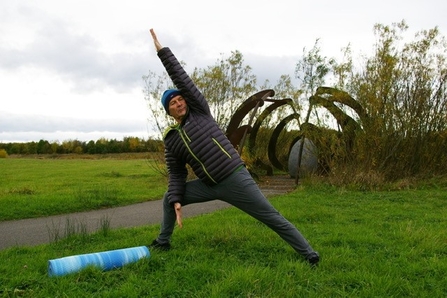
35 231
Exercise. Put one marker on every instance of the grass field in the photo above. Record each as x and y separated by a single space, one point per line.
372 244
33 187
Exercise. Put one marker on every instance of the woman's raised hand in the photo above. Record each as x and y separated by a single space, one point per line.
157 44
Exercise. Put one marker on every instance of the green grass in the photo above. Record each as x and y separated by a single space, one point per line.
372 244
31 187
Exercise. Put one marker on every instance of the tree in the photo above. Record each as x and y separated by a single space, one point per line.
154 86
225 85
312 69
3 153
43 147
402 89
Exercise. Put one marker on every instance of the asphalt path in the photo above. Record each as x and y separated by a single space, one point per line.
35 231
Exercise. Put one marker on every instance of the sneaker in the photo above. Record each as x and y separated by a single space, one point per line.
161 246
313 259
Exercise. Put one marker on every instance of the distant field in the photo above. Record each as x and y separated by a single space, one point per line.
35 187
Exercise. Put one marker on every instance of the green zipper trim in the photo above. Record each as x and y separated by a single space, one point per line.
184 136
221 148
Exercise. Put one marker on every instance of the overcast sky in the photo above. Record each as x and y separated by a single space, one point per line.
72 69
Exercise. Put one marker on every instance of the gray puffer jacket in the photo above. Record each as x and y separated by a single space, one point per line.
198 140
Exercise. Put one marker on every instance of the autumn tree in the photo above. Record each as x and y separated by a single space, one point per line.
403 90
225 85
154 86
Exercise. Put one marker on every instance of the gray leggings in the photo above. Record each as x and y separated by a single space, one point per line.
241 191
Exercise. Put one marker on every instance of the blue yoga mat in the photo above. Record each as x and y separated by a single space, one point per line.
105 260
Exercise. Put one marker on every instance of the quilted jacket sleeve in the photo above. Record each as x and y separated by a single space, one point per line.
177 178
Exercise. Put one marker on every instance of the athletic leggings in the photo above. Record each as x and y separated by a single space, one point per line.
241 191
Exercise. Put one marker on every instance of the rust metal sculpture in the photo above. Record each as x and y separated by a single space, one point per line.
327 97
237 134
324 96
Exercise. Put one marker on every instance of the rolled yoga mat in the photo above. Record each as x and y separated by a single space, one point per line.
105 260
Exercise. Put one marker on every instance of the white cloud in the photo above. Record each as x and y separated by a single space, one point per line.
24 128
84 60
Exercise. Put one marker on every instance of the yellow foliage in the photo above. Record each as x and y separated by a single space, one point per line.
3 153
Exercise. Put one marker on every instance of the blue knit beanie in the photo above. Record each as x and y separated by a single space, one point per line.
167 96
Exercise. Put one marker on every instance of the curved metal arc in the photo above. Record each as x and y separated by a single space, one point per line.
246 107
276 104
274 139
344 98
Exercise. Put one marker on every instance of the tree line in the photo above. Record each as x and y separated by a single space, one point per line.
101 146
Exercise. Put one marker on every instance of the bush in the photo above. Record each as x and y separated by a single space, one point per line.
3 153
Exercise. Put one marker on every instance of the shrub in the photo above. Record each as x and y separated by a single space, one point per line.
3 153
